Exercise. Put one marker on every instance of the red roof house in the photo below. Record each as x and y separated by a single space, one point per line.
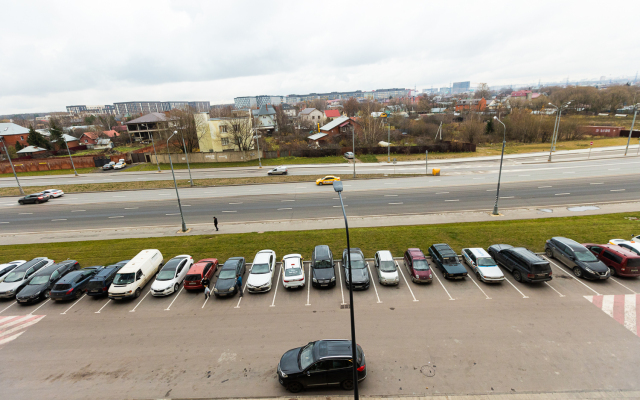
332 113
89 138
111 134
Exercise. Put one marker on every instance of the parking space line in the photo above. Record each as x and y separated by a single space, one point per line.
31 313
474 281
616 281
309 280
440 282
145 296
570 275
15 302
76 302
372 281
405 280
105 304
340 279
243 290
561 295
514 286
175 298
273 303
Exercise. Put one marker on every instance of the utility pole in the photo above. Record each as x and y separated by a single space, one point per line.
11 163
388 142
69 151
353 132
184 146
504 142
631 130
184 226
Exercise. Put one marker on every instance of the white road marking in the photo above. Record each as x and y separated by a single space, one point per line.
547 283
78 210
617 190
390 195
372 281
448 192
286 208
145 296
117 216
4 222
243 291
488 190
308 280
440 282
175 298
119 196
229 211
131 208
514 286
389 183
616 281
405 280
340 206
474 281
569 172
524 175
553 263
168 214
507 197
340 279
105 304
630 312
76 302
25 213
596 183
273 303
478 178
164 194
396 203
544 187
60 219
287 200
562 194
453 200
15 302
607 305
236 203
31 313
614 169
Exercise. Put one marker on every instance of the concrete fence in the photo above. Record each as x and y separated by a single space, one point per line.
225 156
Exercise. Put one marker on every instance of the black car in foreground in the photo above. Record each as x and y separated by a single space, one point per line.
99 284
39 287
360 278
321 363
228 277
447 261
35 198
577 258
524 264
323 273
73 285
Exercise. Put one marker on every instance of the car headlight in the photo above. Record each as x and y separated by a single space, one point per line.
35 295
10 292
215 290
589 270
315 280
333 279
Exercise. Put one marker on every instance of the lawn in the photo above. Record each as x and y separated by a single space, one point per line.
52 172
529 233
252 163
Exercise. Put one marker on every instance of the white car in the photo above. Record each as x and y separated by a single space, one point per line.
171 275
293 276
482 264
53 192
349 155
8 267
19 276
119 165
261 273
631 245
278 171
386 268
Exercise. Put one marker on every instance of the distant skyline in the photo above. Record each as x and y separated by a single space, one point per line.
76 52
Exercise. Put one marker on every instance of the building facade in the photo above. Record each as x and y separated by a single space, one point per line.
214 134
12 133
146 107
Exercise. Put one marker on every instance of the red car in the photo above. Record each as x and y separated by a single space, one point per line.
621 262
418 266
202 269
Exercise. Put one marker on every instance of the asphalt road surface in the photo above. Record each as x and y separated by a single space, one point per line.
455 337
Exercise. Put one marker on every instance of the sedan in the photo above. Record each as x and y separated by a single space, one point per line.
227 282
349 155
360 273
119 165
35 198
8 267
73 285
108 166
20 276
293 276
40 285
327 180
630 245
261 273
53 193
485 268
278 171
171 275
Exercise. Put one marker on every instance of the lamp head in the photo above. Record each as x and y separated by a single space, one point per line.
174 132
495 117
337 186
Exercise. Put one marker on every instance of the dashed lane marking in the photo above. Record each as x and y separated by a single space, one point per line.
617 190
286 208
562 194
397 203
230 211
596 183
453 200
236 203
390 195
59 219
78 210
117 216
131 208
544 187
168 214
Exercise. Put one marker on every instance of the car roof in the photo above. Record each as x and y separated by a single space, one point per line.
28 264
528 255
416 252
70 276
322 250
569 242
444 249
333 348
385 255
49 269
478 252
263 256
614 248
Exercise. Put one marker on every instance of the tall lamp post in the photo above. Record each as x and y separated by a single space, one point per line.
631 130
353 133
337 186
69 151
11 163
153 142
259 154
504 142
388 141
184 146
556 126
184 226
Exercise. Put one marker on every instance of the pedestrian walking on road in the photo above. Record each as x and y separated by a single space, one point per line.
239 285
207 292
215 222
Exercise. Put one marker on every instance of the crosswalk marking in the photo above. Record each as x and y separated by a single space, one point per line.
621 307
11 327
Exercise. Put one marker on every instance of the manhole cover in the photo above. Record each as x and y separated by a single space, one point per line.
583 208
428 370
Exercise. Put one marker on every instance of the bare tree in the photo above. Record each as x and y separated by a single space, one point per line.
221 112
240 129
472 128
372 128
351 107
182 120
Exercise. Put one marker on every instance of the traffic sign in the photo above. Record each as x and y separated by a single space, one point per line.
591 144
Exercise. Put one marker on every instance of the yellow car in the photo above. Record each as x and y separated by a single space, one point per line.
327 180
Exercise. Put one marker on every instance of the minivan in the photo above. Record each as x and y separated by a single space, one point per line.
525 265
621 262
100 283
576 257
132 278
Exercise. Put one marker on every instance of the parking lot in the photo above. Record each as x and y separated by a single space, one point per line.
447 336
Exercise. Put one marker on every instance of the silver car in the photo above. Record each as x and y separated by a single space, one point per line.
278 171
482 264
386 268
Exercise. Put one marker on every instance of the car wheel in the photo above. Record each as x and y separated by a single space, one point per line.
612 271
294 387
549 253
175 287
478 276
577 272
21 202
286 172
347 384
37 201
137 294
517 275
78 294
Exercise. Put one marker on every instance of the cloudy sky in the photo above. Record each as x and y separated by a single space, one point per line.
58 53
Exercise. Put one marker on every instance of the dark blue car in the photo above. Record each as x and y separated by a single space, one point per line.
74 284
99 284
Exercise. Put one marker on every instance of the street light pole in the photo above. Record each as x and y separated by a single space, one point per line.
10 163
504 142
187 156
388 142
154 152
631 130
556 127
337 186
353 132
184 226
257 137
70 158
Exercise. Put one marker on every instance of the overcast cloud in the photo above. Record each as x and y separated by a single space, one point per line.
57 53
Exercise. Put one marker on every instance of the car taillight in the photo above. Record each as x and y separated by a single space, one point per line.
550 272
40 198
361 368
104 289
530 276
69 291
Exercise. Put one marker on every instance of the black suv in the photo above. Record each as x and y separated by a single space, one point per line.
323 273
40 285
525 265
576 257
359 269
447 261
321 363
99 284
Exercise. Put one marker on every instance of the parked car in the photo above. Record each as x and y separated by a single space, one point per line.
226 284
39 287
261 272
327 180
134 276
204 268
282 170
417 265
119 165
349 155
171 275
108 166
8 267
633 246
386 268
321 363
620 261
18 278
74 284
576 257
35 198
99 285
293 274
360 278
482 265
525 265
447 260
323 273
53 193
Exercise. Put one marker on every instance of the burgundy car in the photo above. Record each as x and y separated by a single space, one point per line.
621 262
417 265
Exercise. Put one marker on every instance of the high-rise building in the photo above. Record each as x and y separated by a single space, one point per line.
461 87
146 107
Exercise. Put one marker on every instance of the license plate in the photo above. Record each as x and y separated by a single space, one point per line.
634 270
323 284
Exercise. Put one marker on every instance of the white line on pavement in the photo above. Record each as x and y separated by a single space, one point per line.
340 279
514 286
389 183
547 283
286 208
616 281
340 206
76 302
15 302
596 183
236 203
119 196
287 200
478 178
474 281
524 175
544 187
145 296
453 200
617 190
507 197
175 298
440 282
105 304
562 194
273 303
390 195
309 280
569 274
131 208
31 313
397 203
25 213
118 216
78 210
60 219
569 172
240 297
4 222
229 211
372 281
405 281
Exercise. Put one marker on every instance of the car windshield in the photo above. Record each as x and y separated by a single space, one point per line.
14 277
166 275
227 274
260 269
306 356
323 264
420 265
486 262
39 280
451 260
585 256
292 272
124 279
387 266
356 263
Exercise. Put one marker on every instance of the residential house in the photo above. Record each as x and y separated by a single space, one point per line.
339 126
110 134
103 144
471 105
264 120
289 110
71 141
89 138
525 94
143 127
331 113
311 115
214 134
31 151
317 139
12 133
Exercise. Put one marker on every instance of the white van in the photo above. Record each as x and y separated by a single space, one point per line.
132 278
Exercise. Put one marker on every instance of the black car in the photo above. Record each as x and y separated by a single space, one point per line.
74 284
40 285
577 258
321 363
228 277
524 264
99 284
35 198
323 273
360 278
447 261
